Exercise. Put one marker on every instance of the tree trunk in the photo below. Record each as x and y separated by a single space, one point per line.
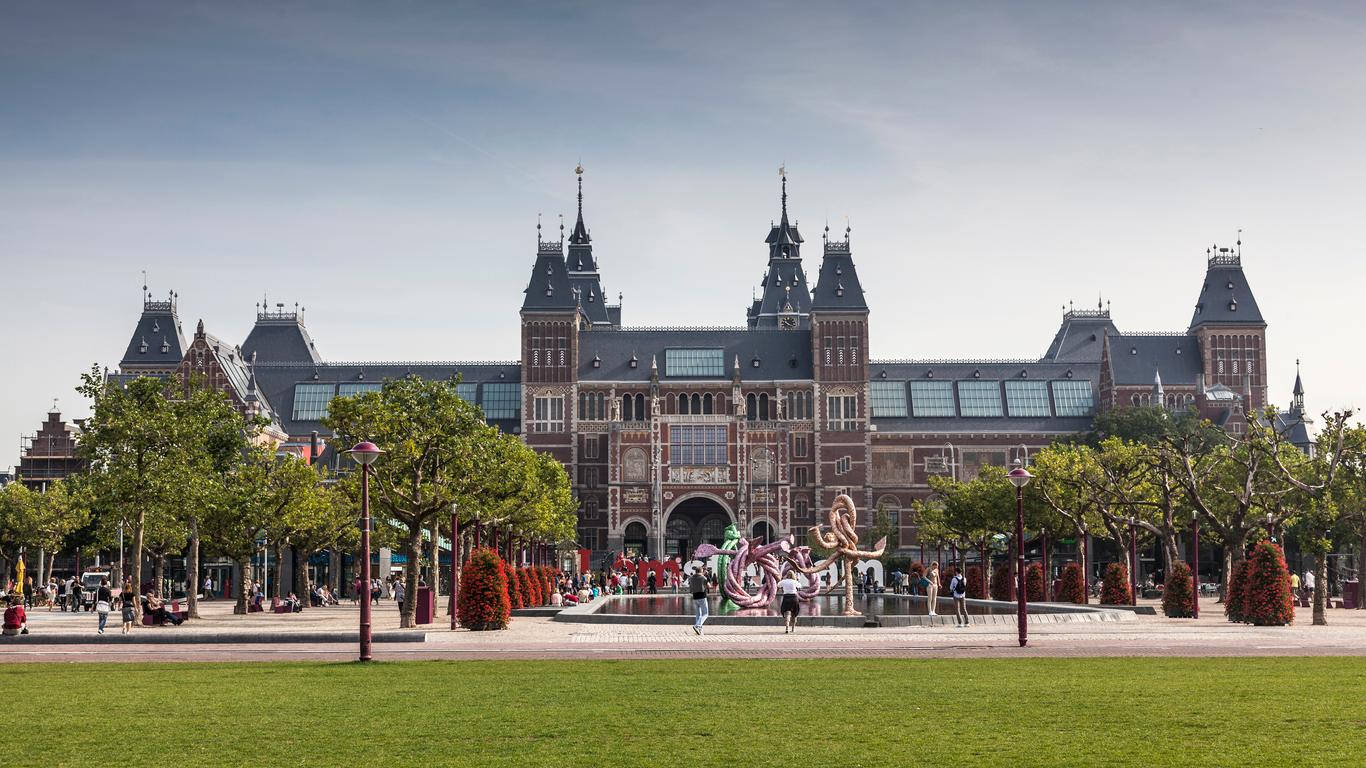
1235 551
301 585
414 549
159 574
243 568
1320 589
280 590
1170 554
137 549
192 570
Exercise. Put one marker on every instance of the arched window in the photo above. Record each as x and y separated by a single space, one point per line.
696 403
763 407
682 403
583 405
1135 399
626 413
641 414
751 408
721 404
707 403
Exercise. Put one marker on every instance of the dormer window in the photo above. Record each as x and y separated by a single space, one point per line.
1233 305
142 347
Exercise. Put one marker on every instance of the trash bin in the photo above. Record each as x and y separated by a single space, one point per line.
425 605
1351 594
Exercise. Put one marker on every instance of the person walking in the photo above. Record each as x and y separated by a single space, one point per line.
788 589
104 602
129 607
51 593
399 592
208 587
958 587
697 585
932 588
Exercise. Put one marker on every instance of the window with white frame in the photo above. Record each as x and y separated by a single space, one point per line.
842 465
697 444
590 447
799 446
547 414
841 414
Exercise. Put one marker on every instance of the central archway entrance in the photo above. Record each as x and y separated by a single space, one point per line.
692 522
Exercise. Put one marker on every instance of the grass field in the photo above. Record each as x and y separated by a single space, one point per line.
1112 712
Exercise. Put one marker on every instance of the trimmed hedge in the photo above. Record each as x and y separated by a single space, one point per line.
1237 592
1267 601
514 588
1178 600
483 592
976 590
1072 589
1034 591
1114 588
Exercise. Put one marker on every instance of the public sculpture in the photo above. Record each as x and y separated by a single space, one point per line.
779 558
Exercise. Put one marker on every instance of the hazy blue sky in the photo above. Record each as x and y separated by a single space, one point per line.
383 164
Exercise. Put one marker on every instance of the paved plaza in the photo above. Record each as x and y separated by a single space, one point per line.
326 633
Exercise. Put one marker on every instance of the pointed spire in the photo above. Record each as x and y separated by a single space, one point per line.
1299 385
1158 393
782 171
580 234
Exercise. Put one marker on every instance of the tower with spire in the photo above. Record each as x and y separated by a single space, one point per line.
158 343
1229 328
582 266
785 299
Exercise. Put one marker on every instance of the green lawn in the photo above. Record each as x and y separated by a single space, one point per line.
1112 712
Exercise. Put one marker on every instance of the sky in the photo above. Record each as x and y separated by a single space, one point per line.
384 165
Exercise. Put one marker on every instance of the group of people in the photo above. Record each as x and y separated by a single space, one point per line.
63 594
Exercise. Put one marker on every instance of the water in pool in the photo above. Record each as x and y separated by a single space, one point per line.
823 605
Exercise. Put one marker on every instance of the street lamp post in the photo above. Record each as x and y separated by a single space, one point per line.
1133 563
1270 527
1195 562
1020 477
364 453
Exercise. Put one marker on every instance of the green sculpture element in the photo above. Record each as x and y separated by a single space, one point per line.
731 543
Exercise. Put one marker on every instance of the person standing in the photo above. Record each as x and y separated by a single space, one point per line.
399 594
51 593
129 607
104 602
932 588
958 587
788 589
208 587
697 585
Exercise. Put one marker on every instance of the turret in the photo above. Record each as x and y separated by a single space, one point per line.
158 343
786 300
1229 327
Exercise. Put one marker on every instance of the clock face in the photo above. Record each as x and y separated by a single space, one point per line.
787 322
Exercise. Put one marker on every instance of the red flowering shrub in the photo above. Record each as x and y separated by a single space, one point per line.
1002 587
1072 589
1034 591
1114 589
1237 591
532 587
976 589
1267 601
483 592
514 589
524 588
1178 600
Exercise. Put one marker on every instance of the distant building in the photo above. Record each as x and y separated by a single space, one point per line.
669 434
50 454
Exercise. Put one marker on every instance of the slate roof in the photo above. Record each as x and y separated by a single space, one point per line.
1226 296
1294 428
548 288
1136 358
1081 336
784 286
276 382
280 340
159 328
838 287
782 355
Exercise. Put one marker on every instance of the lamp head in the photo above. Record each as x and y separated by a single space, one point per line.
1019 476
364 453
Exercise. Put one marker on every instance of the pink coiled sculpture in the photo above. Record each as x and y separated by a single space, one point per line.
781 557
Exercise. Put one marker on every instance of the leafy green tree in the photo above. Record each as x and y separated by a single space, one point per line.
439 452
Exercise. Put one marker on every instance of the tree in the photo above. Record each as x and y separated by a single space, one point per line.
1266 596
438 450
40 520
484 592
1178 599
1114 588
1323 481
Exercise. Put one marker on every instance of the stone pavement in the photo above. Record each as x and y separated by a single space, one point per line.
542 638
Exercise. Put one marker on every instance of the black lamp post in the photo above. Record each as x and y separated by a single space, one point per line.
365 453
1020 477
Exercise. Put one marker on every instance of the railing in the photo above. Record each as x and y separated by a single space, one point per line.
1225 258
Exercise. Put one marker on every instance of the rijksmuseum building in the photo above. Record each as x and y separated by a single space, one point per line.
670 434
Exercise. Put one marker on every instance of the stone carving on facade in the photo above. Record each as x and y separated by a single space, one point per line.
634 465
761 465
699 475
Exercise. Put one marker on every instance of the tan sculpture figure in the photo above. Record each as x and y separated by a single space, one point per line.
843 538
